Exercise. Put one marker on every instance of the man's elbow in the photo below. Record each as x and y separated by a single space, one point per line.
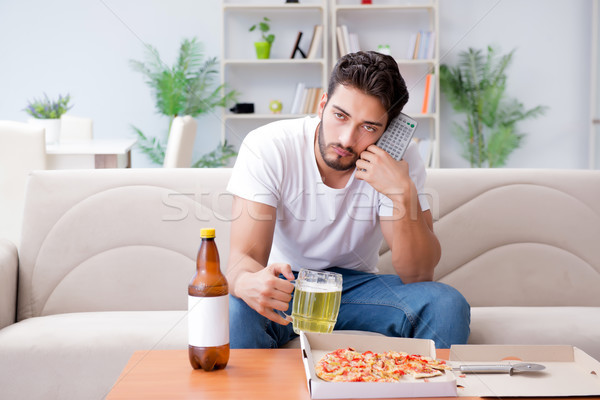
414 278
417 273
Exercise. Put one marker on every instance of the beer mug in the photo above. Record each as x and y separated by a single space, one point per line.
317 297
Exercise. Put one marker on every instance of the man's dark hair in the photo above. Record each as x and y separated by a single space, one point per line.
374 74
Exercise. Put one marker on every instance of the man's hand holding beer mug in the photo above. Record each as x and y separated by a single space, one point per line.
316 301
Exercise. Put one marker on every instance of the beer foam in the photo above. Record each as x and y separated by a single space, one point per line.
308 287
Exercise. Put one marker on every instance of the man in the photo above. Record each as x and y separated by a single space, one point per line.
318 193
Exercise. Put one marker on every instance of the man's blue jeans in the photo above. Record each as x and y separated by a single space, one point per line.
370 302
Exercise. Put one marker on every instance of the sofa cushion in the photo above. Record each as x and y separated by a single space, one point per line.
81 355
117 240
518 237
577 326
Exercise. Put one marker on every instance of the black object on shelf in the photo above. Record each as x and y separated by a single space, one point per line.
243 108
297 47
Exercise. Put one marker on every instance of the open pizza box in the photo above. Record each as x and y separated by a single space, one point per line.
568 371
316 345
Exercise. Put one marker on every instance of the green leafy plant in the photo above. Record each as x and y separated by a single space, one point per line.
217 157
48 109
264 27
186 88
476 87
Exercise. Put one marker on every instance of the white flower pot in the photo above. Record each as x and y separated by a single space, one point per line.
52 127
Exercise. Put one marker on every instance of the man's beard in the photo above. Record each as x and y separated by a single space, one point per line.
335 162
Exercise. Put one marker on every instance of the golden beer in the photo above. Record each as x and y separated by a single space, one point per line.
315 309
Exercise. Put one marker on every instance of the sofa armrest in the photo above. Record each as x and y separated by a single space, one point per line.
9 264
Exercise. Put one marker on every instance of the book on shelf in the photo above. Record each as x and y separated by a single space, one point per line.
354 45
298 98
340 42
412 42
425 105
429 95
306 99
316 42
421 45
431 102
346 38
415 51
346 42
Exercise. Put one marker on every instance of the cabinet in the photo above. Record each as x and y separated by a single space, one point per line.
261 81
394 23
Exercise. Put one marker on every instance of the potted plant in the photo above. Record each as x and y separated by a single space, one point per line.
47 113
263 49
186 88
476 87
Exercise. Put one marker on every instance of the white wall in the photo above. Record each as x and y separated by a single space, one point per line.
83 47
551 67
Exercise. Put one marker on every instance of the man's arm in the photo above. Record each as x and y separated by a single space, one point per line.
248 276
415 248
409 232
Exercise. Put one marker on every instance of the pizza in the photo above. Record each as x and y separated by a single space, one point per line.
349 365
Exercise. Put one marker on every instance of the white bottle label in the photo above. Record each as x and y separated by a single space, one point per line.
208 321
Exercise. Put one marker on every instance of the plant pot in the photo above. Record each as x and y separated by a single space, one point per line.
263 50
52 127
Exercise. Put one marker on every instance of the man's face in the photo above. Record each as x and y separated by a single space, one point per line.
351 121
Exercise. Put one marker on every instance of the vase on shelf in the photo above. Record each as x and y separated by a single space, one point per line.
263 50
51 126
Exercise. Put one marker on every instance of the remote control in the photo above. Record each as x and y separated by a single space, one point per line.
396 138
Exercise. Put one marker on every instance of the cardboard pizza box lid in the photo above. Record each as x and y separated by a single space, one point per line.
569 371
316 345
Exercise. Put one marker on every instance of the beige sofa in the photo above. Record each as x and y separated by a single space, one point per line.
106 256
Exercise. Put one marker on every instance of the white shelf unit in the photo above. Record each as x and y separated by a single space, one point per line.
260 81
391 22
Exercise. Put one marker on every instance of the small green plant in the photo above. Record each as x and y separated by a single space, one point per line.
477 88
186 88
48 109
264 27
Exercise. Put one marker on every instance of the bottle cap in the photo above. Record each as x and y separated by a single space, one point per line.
207 233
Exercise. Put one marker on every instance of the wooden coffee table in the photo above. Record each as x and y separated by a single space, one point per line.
250 374
276 374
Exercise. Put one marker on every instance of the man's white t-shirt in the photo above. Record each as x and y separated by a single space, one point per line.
317 226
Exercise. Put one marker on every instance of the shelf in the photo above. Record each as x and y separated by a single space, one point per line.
424 116
383 7
277 61
283 6
263 116
406 61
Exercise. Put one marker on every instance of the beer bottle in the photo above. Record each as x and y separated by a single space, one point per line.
208 308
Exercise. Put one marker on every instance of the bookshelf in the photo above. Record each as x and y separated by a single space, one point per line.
276 78
391 22
397 22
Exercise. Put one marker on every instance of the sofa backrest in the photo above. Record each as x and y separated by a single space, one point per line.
117 239
519 237
126 239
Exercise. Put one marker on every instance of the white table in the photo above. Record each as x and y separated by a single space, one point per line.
96 153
